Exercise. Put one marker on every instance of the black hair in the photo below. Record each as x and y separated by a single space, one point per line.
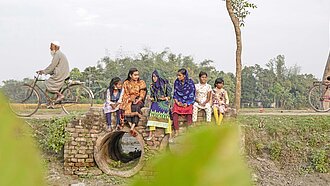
217 81
202 73
130 72
182 71
112 84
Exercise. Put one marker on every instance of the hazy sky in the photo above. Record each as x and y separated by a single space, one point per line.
91 29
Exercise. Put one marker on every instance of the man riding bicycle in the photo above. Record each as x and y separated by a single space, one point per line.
58 69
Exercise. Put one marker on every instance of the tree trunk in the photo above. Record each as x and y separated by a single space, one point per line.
237 28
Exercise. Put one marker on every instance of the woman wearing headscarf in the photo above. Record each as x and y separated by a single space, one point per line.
160 94
133 98
184 98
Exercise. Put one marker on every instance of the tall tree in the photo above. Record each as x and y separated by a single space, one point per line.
238 10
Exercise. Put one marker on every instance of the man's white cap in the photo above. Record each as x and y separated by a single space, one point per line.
57 43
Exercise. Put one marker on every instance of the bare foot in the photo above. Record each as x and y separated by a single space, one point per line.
149 138
59 98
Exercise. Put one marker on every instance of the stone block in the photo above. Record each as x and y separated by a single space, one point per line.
89 160
73 143
69 155
80 139
82 148
81 156
90 147
89 151
81 130
94 135
81 160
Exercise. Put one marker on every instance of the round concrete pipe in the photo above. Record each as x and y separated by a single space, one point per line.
108 149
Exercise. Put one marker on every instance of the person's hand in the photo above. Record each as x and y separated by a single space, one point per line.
137 101
40 72
164 98
113 106
185 105
129 100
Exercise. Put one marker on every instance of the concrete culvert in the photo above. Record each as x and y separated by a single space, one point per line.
118 153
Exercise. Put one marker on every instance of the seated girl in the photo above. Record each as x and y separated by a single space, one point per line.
184 98
133 98
159 115
113 102
220 100
203 97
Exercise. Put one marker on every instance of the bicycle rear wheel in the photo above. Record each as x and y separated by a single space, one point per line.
319 98
23 99
77 99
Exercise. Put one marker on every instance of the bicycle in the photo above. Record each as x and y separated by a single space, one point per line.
25 99
319 96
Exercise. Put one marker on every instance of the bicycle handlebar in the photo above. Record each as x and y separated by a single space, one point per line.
36 78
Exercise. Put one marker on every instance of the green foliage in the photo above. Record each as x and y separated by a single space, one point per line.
240 8
259 147
56 136
275 150
75 74
115 164
277 86
320 161
20 162
207 156
300 143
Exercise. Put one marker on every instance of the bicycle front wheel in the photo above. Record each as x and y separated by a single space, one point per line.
23 99
77 99
319 98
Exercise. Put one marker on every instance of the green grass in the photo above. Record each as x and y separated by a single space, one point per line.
294 142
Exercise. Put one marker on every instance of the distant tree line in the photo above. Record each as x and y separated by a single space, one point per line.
274 86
